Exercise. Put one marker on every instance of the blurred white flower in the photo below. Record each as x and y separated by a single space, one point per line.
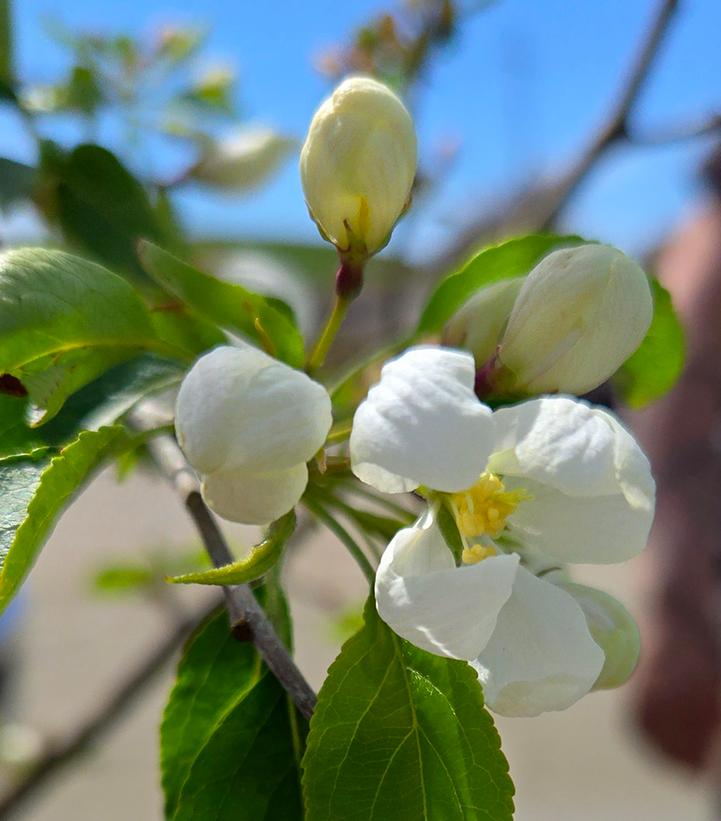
248 424
243 160
551 475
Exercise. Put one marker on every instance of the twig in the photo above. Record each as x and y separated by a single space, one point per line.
539 208
616 128
102 718
247 618
677 134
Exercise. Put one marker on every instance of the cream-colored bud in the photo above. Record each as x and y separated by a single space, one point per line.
478 325
357 165
613 629
243 160
580 314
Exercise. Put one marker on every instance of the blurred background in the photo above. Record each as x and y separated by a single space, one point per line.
602 119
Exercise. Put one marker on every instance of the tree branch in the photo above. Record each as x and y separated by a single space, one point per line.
247 618
102 718
538 208
616 127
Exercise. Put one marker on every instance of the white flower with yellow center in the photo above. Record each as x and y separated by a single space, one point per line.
248 424
553 477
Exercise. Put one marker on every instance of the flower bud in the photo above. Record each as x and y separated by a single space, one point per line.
357 165
613 629
478 325
242 161
248 424
580 314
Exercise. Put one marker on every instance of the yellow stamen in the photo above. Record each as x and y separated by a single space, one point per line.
483 509
477 553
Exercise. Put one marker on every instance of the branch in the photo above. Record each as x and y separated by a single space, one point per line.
677 134
616 128
539 207
102 718
247 618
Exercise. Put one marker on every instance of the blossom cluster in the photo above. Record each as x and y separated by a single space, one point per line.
511 496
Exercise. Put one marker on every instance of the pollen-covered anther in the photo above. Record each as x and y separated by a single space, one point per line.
477 553
484 507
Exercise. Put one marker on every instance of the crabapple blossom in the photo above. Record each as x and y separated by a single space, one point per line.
248 424
552 477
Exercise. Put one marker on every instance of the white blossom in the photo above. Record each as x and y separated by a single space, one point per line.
248 424
552 477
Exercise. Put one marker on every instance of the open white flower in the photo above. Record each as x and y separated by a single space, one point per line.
552 476
248 424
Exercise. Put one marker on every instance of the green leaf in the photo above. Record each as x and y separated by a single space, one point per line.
7 74
123 579
49 387
102 402
63 322
657 364
230 742
257 563
401 734
229 305
510 259
98 203
52 303
17 182
34 493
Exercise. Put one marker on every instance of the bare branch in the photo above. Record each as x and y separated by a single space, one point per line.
539 207
247 618
616 128
102 718
667 136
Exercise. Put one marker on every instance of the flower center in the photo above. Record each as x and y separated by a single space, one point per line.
481 513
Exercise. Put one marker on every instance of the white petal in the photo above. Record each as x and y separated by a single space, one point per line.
240 409
205 410
605 517
594 529
426 599
541 655
254 498
558 441
422 424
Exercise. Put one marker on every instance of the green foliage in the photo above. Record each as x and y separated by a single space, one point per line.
257 563
230 306
147 574
63 321
401 734
98 203
36 490
653 370
6 45
510 259
17 182
230 741
124 578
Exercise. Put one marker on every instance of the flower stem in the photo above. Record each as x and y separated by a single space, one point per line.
343 536
328 334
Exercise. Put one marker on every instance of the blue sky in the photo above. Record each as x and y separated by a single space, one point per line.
522 87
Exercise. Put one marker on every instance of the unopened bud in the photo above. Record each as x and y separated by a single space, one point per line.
613 629
478 325
248 424
357 165
242 161
580 314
